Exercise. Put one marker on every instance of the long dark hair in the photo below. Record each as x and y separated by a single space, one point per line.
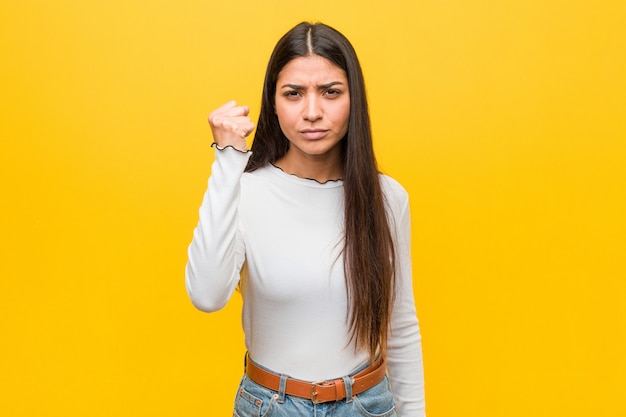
369 256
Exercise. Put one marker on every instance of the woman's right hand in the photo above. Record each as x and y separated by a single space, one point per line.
231 125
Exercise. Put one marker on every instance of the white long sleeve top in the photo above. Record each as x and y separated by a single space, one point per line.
279 237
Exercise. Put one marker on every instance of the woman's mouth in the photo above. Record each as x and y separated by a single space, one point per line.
313 134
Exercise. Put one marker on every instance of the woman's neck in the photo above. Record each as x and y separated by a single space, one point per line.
321 168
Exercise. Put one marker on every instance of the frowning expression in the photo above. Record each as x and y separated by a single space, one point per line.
313 105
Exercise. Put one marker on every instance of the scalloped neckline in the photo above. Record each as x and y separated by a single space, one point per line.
339 180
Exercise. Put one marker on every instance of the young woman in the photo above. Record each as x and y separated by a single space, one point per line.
317 240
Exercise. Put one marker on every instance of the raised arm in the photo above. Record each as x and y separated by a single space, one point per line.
217 252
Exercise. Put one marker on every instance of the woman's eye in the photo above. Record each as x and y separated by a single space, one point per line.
332 92
291 94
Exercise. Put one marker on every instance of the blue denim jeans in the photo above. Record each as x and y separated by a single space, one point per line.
254 400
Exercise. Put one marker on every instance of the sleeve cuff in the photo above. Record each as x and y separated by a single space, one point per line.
216 146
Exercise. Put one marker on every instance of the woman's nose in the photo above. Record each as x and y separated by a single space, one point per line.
312 109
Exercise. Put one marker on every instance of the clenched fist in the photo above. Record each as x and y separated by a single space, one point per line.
231 125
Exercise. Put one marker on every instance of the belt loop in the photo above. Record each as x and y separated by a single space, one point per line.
347 380
282 387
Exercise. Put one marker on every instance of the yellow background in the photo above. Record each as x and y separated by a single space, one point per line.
504 120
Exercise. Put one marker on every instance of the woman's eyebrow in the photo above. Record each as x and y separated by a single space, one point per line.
321 86
330 84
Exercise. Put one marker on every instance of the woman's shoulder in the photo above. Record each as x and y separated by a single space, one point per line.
392 188
258 173
396 196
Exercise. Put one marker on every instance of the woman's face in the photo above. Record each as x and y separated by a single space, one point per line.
313 105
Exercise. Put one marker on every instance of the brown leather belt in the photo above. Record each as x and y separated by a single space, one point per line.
319 392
